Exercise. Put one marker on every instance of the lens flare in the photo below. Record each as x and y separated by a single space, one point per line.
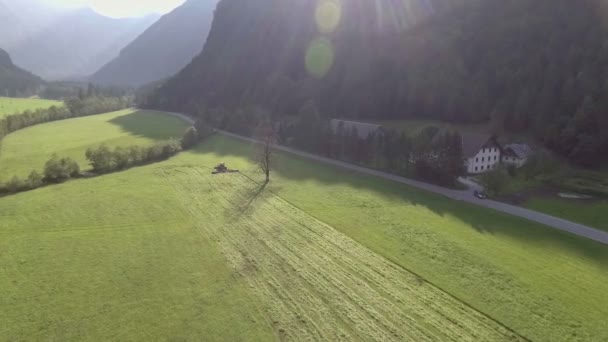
319 57
328 15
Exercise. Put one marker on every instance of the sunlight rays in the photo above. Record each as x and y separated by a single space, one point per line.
378 16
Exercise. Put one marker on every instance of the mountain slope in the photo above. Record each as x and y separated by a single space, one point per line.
15 81
76 43
23 18
532 65
163 49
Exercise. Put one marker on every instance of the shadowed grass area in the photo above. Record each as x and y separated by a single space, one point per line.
545 284
28 149
168 251
589 212
9 105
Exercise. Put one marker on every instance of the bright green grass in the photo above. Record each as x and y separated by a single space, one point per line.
593 214
116 258
138 255
28 149
9 105
544 284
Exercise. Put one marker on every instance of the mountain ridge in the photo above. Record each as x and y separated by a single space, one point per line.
70 43
513 63
156 53
15 81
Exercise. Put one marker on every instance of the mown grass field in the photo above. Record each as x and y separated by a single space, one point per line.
29 149
9 105
169 251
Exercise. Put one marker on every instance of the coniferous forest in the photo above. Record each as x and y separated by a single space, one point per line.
525 65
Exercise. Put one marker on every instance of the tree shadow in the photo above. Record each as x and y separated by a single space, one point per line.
242 201
151 125
482 220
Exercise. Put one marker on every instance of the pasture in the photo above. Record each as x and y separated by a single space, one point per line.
168 251
593 213
28 149
10 105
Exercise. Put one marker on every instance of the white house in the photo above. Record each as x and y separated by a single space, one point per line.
481 151
516 154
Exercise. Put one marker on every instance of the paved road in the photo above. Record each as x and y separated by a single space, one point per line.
459 195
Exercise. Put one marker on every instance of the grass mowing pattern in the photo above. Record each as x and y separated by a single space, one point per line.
116 258
28 149
9 105
121 257
544 284
314 282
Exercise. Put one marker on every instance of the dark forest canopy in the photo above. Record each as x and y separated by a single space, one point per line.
535 65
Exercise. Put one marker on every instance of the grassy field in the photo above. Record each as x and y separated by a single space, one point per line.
169 251
590 213
9 105
28 149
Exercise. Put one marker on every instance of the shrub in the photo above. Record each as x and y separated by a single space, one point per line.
35 180
101 159
495 181
58 170
15 185
170 148
190 138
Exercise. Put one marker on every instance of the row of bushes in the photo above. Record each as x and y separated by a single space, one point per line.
105 160
73 108
56 170
102 160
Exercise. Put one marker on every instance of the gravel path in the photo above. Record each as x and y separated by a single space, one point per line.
459 195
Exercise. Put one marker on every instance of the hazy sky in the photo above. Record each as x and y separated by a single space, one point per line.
123 8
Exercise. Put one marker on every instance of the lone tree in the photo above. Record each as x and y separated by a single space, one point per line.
266 136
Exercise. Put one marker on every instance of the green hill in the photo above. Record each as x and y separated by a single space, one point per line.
15 81
525 65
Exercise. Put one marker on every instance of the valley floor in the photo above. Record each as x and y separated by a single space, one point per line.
10 105
169 251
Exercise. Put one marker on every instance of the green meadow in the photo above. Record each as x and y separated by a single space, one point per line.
9 105
170 252
29 149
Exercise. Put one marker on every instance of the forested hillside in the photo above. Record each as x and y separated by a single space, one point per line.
15 81
534 65
163 49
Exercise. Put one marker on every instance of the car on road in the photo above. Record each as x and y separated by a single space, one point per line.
480 194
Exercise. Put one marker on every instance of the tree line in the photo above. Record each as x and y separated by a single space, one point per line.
534 66
74 107
104 159
432 155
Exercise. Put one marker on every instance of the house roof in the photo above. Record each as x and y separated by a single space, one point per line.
521 151
364 129
472 143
